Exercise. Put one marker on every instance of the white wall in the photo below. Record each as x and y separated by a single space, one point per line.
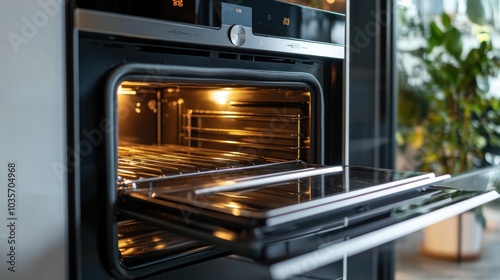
32 122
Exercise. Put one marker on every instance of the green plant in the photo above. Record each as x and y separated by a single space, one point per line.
459 109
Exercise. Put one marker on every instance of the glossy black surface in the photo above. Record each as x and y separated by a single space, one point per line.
284 20
185 11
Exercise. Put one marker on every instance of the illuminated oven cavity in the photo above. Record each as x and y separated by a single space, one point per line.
174 128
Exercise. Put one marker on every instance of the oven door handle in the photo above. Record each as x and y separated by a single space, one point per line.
329 254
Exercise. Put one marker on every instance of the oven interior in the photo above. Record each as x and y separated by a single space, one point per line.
180 127
266 120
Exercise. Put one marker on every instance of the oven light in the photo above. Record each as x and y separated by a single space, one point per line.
122 90
221 96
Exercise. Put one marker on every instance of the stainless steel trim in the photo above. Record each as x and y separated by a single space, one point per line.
145 28
159 113
377 94
268 179
345 95
326 255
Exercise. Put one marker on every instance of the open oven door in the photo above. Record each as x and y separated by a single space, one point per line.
282 213
293 217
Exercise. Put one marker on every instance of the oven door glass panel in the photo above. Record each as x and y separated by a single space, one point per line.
274 189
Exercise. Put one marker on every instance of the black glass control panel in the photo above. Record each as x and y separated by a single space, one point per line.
265 17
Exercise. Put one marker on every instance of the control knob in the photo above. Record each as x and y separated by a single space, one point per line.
237 35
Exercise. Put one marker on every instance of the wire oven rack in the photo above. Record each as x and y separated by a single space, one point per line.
139 242
148 161
275 132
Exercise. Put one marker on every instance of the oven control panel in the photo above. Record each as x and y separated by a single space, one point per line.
264 17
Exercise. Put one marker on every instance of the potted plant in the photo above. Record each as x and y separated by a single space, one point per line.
458 122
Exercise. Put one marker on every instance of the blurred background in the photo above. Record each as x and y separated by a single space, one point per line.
448 121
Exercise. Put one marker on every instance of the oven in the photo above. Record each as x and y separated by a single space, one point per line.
208 139
212 88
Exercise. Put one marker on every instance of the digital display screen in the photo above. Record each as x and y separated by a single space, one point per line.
278 19
181 10
291 21
178 3
286 21
236 14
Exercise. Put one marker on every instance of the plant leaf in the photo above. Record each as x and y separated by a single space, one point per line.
453 42
436 32
446 20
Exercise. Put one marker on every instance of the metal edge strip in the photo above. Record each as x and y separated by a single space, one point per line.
255 181
347 75
354 198
145 28
324 256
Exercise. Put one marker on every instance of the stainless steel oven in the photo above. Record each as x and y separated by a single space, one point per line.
223 89
207 139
